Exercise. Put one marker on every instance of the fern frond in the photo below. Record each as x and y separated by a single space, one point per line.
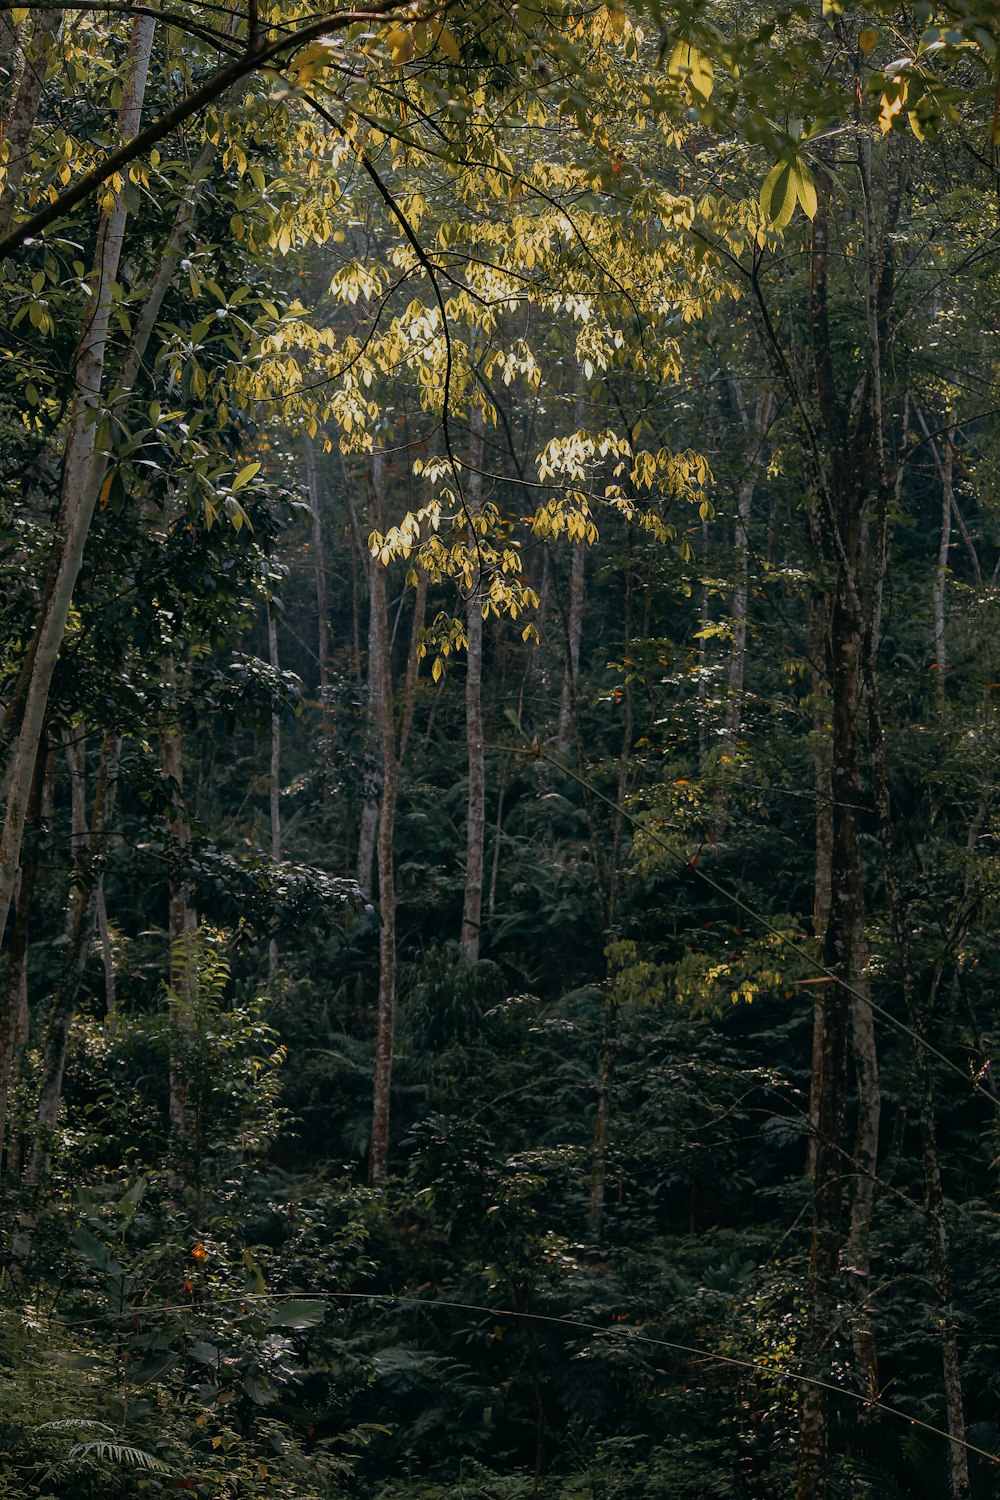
118 1453
74 1424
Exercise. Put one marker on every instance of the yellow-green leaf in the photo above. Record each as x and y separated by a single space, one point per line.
400 44
690 66
805 189
778 195
447 43
243 478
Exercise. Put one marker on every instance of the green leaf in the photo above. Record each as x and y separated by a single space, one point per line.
203 1353
244 477
805 189
297 1313
91 1248
778 195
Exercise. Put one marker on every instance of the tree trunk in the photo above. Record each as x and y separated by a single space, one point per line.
476 811
274 777
755 429
386 1023
14 1018
412 664
611 887
368 831
918 1008
602 1116
107 953
574 621
843 481
319 570
20 122
819 645
79 495
80 929
574 636
182 924
947 467
704 621
951 1361
170 258
840 956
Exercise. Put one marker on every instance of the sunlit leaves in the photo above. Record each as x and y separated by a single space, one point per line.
788 184
694 70
891 106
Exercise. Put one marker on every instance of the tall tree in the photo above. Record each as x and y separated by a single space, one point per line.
475 841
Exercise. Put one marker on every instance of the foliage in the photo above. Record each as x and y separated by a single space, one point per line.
590 235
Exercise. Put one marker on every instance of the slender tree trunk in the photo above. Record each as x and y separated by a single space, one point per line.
409 702
491 900
819 647
368 831
20 122
170 258
574 636
574 621
857 1255
755 429
918 1008
79 495
75 745
606 1064
80 929
319 570
386 1024
182 925
107 953
274 778
602 1116
704 620
844 495
476 812
941 571
14 1021
841 956
14 1017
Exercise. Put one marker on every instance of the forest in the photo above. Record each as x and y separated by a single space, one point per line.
499 603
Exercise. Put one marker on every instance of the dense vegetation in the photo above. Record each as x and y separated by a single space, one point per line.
498 618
